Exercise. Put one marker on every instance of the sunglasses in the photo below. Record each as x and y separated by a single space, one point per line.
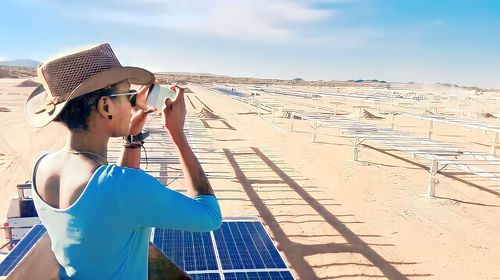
132 99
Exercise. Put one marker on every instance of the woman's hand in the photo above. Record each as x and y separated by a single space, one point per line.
174 114
140 111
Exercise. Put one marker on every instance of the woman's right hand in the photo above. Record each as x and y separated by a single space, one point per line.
174 114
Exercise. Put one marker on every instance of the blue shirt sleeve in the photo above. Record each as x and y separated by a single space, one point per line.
145 201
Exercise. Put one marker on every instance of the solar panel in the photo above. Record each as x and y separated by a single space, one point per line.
285 275
239 249
21 248
189 250
246 245
206 276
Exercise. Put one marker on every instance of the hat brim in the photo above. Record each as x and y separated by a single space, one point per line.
37 98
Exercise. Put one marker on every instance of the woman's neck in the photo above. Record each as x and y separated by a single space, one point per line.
87 141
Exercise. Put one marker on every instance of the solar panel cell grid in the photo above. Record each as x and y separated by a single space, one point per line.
275 257
206 276
243 248
246 245
195 253
251 249
278 275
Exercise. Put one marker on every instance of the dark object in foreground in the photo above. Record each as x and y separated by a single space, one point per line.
160 267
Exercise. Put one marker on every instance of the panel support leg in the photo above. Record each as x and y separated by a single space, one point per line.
313 136
356 149
494 145
431 125
432 179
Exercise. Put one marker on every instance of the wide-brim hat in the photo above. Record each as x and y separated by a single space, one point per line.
75 74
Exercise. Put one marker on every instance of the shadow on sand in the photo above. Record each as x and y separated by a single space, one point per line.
295 252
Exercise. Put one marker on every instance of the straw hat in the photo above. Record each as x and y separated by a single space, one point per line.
74 75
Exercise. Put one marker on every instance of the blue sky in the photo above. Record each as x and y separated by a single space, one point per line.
455 41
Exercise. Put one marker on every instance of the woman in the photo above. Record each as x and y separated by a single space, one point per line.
99 215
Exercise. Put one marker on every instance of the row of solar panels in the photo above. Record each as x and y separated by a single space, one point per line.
240 249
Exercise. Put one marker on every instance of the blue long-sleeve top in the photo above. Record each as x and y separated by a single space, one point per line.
105 233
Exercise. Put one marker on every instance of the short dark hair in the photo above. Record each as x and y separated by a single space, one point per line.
77 112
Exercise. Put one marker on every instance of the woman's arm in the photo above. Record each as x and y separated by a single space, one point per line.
196 180
174 114
145 201
131 157
155 205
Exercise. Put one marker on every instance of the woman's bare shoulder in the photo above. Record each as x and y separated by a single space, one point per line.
61 177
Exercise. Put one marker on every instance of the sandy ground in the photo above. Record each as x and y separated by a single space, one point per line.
330 216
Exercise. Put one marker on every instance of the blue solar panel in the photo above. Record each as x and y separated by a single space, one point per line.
205 276
278 275
243 249
246 245
21 248
232 92
189 250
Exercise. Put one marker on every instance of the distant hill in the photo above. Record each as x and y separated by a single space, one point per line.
17 72
21 63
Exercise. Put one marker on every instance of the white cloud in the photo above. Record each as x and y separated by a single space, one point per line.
164 59
346 38
242 19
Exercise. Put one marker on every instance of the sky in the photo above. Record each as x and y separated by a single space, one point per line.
449 41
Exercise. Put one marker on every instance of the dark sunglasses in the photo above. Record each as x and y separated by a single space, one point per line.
133 96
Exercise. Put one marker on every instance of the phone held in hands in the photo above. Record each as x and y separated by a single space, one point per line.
158 94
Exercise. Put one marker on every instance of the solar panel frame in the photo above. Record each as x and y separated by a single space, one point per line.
206 276
21 249
278 275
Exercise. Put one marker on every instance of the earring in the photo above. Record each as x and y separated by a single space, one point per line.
110 117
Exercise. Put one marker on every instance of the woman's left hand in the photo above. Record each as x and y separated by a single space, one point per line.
140 111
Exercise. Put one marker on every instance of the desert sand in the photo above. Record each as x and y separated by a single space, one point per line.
330 216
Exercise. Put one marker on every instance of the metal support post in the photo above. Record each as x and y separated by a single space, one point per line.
432 179
356 149
315 126
494 145
431 125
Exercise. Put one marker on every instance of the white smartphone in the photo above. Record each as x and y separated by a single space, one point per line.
158 94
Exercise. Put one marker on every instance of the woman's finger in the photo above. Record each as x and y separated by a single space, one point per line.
169 104
144 90
150 110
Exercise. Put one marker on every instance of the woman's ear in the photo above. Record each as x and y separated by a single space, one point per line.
103 107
